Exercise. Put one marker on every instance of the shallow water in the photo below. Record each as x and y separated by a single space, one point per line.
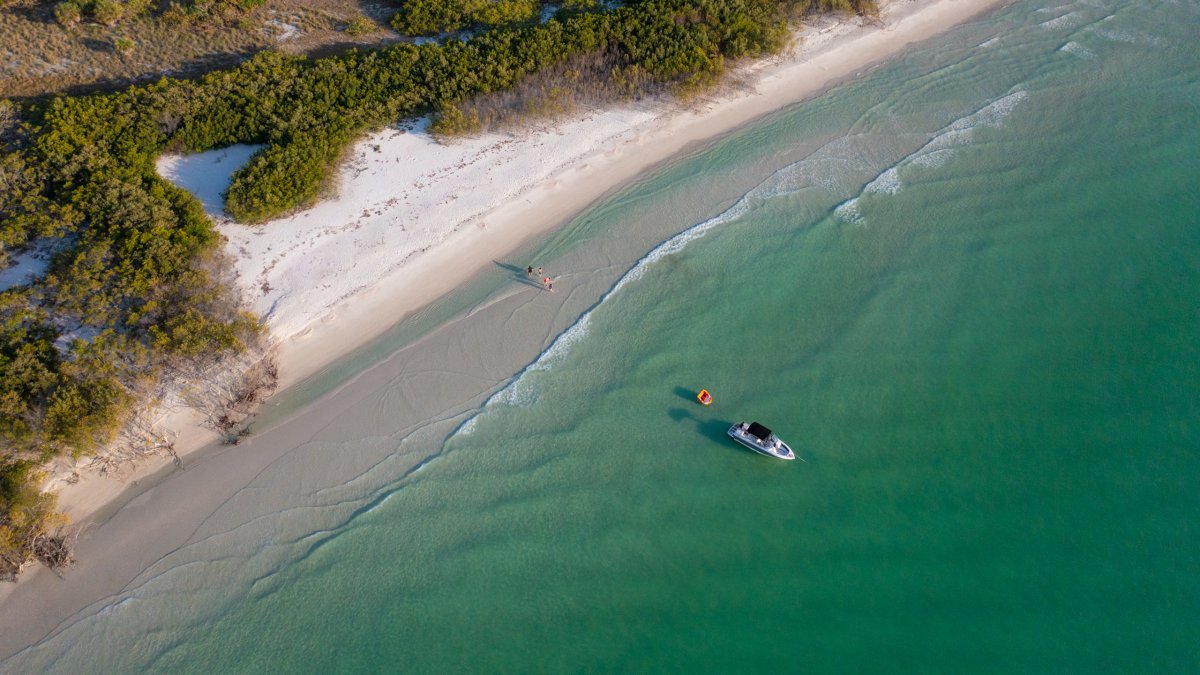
965 287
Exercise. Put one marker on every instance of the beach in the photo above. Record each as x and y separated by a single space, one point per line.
412 221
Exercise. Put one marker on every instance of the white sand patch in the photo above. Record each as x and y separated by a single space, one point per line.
207 174
281 31
25 267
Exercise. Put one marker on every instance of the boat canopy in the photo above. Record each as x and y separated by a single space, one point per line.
758 431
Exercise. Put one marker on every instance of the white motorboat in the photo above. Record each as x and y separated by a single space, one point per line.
761 440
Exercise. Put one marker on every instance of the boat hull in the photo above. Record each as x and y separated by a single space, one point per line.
768 448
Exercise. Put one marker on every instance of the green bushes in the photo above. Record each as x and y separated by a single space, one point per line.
130 271
307 112
26 513
865 7
68 13
29 369
450 120
432 17
283 177
506 12
123 45
49 403
107 12
359 25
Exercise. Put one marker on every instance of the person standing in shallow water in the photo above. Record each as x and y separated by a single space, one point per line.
529 271
547 283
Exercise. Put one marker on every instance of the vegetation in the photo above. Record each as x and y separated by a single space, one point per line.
137 282
123 45
431 17
360 25
27 517
865 7
68 13
62 45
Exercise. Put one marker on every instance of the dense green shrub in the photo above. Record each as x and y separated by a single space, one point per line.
505 12
26 513
283 176
359 25
867 7
432 17
68 13
108 12
450 120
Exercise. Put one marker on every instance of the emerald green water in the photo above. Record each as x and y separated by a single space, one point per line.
965 287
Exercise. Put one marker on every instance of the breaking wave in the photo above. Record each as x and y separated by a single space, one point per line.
936 152
1076 49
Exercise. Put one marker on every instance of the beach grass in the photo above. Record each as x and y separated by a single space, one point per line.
40 56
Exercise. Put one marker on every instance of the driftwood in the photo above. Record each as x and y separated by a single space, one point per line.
226 392
228 398
139 440
57 550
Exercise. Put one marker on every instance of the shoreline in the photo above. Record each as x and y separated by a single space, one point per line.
469 247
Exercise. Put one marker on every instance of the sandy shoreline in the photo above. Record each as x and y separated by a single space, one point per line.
560 172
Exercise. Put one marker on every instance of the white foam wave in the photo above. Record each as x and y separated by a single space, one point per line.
1076 49
1131 37
1069 20
848 211
887 182
936 152
468 427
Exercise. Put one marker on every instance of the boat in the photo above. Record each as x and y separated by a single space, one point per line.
704 397
761 440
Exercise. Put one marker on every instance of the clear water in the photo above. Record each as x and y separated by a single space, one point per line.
965 287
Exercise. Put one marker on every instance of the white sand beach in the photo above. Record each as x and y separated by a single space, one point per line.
411 221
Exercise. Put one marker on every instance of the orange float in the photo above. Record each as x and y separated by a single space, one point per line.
704 397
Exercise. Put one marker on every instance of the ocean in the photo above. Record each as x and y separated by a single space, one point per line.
965 286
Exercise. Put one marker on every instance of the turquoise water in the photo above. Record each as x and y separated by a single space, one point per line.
965 287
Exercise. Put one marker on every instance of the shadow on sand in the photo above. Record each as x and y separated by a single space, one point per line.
518 274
